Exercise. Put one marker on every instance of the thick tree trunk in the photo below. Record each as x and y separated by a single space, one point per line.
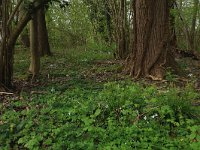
43 41
6 53
152 53
173 38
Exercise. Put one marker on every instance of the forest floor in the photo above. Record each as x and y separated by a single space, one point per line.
86 76
92 69
88 68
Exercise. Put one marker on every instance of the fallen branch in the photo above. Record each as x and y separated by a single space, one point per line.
6 93
38 92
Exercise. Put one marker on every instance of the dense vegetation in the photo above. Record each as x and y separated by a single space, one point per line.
83 98
81 102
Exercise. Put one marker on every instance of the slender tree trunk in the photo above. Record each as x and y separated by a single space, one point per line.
43 41
122 42
152 53
24 37
193 27
119 20
108 22
35 57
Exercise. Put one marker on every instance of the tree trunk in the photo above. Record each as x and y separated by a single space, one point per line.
6 53
108 21
43 41
122 42
24 37
151 53
119 19
173 38
35 57
193 27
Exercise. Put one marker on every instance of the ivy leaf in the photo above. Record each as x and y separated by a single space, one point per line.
97 112
87 121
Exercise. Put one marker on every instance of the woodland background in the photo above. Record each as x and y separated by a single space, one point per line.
99 74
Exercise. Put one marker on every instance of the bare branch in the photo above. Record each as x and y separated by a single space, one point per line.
14 12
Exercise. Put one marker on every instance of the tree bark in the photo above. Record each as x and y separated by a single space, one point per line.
173 38
122 41
152 53
43 41
24 37
193 27
6 58
108 21
119 19
35 57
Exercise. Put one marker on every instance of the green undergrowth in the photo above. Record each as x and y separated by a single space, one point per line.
72 106
64 62
121 115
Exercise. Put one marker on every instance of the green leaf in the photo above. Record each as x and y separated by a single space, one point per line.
97 112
